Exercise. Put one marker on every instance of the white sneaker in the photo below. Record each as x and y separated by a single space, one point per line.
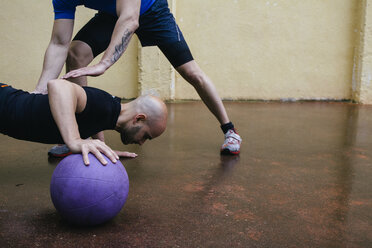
59 151
231 146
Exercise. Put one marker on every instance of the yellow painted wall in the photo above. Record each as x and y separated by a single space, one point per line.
271 49
25 33
268 50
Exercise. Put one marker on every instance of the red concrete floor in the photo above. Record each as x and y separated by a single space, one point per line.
303 179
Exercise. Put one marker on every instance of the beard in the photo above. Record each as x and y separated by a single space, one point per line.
127 136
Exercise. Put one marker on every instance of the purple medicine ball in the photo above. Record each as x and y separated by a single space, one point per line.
88 195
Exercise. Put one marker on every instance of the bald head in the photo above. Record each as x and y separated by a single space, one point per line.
153 107
142 119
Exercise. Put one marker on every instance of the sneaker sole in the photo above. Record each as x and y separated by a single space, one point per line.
228 152
59 155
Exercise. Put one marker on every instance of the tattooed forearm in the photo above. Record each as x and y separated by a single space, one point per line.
119 49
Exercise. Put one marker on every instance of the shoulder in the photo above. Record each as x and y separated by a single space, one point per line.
99 102
94 92
99 97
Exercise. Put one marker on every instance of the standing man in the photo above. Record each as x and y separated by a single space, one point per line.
110 31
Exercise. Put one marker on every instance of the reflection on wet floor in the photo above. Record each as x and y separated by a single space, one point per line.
303 179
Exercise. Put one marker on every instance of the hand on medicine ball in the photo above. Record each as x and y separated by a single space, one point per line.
94 146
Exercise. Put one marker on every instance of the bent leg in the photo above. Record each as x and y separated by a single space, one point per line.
79 55
90 41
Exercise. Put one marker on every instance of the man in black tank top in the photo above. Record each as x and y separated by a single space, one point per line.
85 112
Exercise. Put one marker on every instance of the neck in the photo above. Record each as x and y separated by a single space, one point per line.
124 116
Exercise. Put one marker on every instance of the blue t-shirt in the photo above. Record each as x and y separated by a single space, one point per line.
65 9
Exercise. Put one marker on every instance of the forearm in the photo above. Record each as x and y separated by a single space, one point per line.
126 25
63 105
123 32
54 59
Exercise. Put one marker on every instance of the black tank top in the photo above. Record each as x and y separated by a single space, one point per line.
27 116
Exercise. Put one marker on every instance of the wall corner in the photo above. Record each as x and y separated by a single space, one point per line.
362 71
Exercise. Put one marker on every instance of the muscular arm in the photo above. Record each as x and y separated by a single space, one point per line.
126 25
56 53
66 99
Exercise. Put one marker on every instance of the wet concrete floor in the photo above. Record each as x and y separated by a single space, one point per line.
303 179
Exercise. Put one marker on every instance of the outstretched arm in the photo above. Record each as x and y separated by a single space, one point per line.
56 53
66 99
126 25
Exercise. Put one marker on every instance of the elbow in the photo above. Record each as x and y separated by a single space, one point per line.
134 25
61 44
131 23
60 41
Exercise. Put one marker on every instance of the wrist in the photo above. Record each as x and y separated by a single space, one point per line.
105 63
72 142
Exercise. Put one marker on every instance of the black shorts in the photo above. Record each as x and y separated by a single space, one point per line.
157 27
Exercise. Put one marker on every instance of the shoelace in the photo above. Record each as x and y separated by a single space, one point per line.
231 136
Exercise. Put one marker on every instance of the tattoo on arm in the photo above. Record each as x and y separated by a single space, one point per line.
119 49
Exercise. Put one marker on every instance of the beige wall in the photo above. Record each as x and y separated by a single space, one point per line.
270 50
25 34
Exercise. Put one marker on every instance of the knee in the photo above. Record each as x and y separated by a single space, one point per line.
195 77
78 56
